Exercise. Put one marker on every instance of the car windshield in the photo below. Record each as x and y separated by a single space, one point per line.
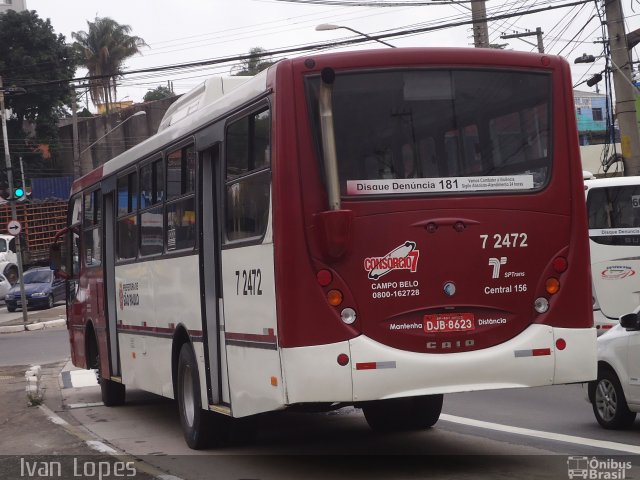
614 215
38 276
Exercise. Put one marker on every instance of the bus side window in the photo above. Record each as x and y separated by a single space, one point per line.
127 225
180 207
248 180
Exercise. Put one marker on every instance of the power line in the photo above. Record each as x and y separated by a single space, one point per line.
304 48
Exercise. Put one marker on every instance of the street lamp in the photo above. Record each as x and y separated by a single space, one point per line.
328 26
137 114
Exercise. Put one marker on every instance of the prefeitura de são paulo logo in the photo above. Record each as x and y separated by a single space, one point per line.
404 257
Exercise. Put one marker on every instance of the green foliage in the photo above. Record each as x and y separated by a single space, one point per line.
102 50
158 93
30 53
255 63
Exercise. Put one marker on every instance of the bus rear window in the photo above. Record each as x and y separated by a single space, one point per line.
614 215
433 131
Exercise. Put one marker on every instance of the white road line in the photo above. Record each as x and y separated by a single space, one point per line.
559 437
98 446
72 406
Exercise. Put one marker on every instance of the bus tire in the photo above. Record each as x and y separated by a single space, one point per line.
609 402
197 424
113 393
402 414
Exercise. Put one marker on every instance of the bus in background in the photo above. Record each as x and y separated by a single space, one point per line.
613 206
371 228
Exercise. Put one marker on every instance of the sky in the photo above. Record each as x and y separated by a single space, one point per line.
195 30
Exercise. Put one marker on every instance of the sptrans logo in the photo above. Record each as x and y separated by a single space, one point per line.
617 272
404 257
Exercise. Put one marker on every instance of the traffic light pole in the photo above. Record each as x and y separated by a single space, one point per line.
14 215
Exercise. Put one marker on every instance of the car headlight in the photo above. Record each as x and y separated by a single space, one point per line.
39 294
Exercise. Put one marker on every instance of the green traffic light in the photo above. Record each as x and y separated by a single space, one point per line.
18 193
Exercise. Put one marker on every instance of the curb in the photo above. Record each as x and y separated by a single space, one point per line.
33 326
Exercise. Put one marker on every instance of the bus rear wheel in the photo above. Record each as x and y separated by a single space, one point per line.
401 414
201 428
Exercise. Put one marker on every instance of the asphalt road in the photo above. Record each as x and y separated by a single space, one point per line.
37 347
527 433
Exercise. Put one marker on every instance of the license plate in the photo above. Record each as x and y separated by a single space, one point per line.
449 322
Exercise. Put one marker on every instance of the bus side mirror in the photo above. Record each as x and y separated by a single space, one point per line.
56 261
55 257
630 321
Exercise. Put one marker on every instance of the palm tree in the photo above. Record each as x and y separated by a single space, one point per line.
102 50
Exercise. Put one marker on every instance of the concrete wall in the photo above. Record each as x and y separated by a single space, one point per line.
124 133
591 156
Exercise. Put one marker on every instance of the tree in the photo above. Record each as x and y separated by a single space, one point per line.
255 63
32 53
158 93
102 51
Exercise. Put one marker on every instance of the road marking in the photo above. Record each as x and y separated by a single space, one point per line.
559 437
73 406
79 378
98 446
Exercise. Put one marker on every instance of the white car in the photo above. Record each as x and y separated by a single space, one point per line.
5 286
615 395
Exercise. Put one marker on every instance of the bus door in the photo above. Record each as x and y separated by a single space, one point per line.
247 265
109 282
217 384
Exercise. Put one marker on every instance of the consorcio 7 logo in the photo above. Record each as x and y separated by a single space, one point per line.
403 257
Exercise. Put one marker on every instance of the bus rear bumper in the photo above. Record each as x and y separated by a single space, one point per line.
377 371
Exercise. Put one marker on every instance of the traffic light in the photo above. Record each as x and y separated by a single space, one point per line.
18 191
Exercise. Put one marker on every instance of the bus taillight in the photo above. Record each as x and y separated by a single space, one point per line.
334 297
552 285
348 316
560 264
324 277
561 344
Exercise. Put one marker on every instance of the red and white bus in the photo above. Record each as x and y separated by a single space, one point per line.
371 228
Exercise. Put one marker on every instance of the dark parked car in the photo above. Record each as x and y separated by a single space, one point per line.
41 289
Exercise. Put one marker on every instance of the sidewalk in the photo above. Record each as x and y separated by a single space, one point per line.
36 320
36 439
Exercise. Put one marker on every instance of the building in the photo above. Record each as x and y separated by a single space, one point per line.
17 5
591 115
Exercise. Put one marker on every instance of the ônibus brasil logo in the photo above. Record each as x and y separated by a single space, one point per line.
404 257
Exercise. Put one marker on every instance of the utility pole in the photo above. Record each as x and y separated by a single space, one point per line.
12 201
537 33
77 170
480 29
625 90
